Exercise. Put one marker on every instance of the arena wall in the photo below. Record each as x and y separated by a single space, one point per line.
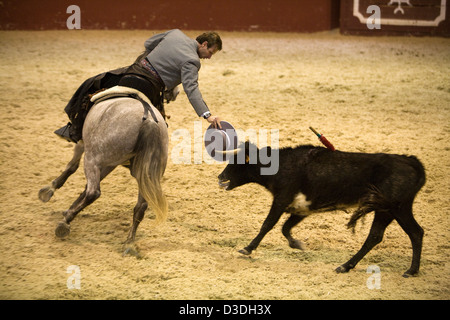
227 15
398 17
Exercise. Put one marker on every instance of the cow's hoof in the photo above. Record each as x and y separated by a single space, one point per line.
297 244
409 274
245 252
342 269
62 230
46 193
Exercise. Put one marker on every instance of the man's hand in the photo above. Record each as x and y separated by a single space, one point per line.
215 121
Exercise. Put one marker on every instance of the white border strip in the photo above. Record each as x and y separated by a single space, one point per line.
400 22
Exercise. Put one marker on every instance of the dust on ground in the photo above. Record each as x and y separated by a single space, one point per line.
366 94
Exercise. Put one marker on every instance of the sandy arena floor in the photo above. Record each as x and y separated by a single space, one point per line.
365 94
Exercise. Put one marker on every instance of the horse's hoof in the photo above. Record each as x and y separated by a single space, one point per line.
131 250
46 193
62 230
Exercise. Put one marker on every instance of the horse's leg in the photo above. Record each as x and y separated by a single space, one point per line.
47 192
92 192
76 202
138 216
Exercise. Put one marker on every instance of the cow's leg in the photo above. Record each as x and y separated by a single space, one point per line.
138 215
406 220
47 192
275 213
293 220
379 225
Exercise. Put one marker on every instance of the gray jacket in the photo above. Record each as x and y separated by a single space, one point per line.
175 58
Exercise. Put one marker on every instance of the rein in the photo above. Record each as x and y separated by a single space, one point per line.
147 107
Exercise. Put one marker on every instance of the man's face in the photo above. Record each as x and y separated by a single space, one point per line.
204 52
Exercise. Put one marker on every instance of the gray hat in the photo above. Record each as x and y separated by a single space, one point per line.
220 140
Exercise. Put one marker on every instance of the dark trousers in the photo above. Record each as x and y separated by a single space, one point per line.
80 104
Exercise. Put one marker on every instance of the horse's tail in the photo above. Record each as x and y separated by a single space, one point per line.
148 168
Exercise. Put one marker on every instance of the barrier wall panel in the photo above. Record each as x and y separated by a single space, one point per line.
401 17
228 15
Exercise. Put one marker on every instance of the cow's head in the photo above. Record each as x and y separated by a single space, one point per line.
247 164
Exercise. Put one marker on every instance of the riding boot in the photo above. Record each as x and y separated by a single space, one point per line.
73 131
76 129
64 133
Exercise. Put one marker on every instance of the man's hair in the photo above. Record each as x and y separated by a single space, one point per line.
212 37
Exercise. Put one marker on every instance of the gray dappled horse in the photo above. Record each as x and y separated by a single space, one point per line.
115 133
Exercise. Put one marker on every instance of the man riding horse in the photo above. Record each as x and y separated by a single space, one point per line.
170 58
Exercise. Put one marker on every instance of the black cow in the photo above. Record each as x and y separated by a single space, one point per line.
313 178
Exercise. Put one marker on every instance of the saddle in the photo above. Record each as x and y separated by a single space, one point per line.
120 91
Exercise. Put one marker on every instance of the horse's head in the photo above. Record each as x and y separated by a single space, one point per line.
171 95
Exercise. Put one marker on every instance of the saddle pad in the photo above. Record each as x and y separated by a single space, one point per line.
118 91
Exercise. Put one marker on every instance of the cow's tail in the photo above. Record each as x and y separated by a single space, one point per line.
420 170
375 200
148 168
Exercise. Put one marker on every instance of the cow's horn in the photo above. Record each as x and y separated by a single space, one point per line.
228 152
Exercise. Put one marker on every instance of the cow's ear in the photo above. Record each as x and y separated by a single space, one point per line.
247 151
266 151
